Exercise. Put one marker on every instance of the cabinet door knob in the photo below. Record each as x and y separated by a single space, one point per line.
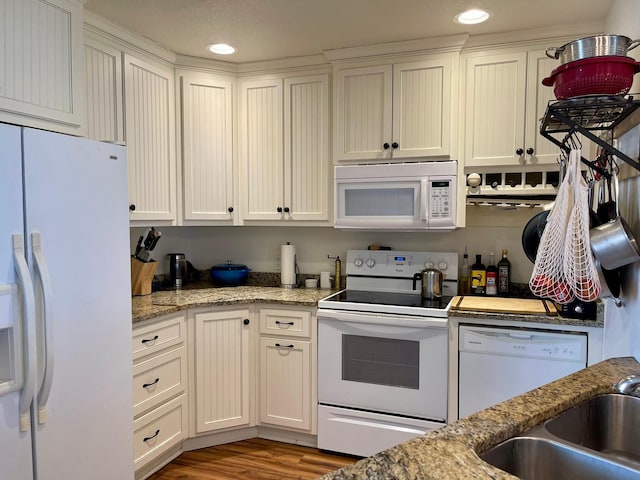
394 145
286 209
230 209
519 151
530 151
385 146
246 321
132 207
279 209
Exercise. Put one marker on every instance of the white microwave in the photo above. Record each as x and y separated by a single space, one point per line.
401 196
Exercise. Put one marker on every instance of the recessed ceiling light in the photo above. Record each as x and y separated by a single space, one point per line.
473 16
221 48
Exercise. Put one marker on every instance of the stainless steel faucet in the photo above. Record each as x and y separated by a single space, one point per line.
629 386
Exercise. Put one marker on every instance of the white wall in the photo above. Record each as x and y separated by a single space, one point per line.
622 334
259 247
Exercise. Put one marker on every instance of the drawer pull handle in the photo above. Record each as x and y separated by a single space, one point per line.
147 385
146 439
149 340
283 346
278 322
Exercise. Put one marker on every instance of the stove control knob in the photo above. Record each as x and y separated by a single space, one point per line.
358 262
370 262
443 265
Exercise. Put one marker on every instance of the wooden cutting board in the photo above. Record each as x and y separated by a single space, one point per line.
504 305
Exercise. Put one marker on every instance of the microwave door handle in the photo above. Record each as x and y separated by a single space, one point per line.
423 200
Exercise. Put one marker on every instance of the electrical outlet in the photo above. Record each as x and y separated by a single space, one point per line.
277 264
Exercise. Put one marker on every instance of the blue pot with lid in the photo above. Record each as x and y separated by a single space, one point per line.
229 274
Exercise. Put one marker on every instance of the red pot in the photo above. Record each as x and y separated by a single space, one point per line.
607 75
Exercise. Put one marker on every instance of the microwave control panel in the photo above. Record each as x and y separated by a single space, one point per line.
441 199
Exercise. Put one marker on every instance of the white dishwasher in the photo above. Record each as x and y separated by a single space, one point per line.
496 364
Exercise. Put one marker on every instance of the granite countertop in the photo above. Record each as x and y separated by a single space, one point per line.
163 302
534 318
452 452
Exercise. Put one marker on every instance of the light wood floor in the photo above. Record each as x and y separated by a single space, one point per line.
255 459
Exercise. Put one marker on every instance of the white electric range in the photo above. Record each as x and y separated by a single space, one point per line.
382 352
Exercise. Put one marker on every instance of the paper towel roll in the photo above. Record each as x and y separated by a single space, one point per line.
288 265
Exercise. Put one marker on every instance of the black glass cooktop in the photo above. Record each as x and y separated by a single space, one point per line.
388 298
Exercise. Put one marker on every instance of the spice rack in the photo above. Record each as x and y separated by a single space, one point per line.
589 115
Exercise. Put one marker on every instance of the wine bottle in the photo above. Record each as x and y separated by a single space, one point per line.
465 279
492 275
478 277
504 274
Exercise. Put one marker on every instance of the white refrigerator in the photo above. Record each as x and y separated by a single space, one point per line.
65 309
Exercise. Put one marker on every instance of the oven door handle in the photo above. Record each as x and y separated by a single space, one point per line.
382 319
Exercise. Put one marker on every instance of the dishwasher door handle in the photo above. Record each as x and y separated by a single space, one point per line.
521 336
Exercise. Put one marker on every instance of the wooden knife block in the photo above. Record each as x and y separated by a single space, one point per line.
142 276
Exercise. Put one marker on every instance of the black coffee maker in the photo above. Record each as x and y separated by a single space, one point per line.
177 269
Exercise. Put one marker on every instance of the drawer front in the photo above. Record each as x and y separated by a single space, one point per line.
295 323
158 336
159 430
158 379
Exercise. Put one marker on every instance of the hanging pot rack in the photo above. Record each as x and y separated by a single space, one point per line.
588 115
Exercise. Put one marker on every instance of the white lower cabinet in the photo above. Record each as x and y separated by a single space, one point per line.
159 388
287 350
285 383
222 374
159 430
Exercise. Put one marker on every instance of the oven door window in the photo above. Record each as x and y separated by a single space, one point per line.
381 361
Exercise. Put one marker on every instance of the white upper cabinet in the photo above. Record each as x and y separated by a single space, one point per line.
207 150
105 104
504 100
41 64
395 111
284 149
150 137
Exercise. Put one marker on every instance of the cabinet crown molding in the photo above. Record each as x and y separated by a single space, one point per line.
447 43
125 39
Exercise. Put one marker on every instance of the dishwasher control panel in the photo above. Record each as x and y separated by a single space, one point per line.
524 343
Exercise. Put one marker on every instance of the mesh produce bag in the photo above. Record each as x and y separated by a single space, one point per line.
548 279
578 264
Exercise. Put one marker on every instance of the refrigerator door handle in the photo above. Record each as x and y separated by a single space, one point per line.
47 315
28 329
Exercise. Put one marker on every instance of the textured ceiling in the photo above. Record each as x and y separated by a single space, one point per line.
270 29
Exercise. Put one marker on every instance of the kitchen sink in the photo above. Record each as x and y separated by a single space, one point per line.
531 458
598 439
609 424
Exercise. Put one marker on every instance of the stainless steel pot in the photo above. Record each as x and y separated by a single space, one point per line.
613 243
431 280
594 46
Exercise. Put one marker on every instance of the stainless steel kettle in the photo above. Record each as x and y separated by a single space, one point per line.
431 279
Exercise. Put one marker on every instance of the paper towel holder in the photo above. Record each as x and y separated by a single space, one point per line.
292 276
